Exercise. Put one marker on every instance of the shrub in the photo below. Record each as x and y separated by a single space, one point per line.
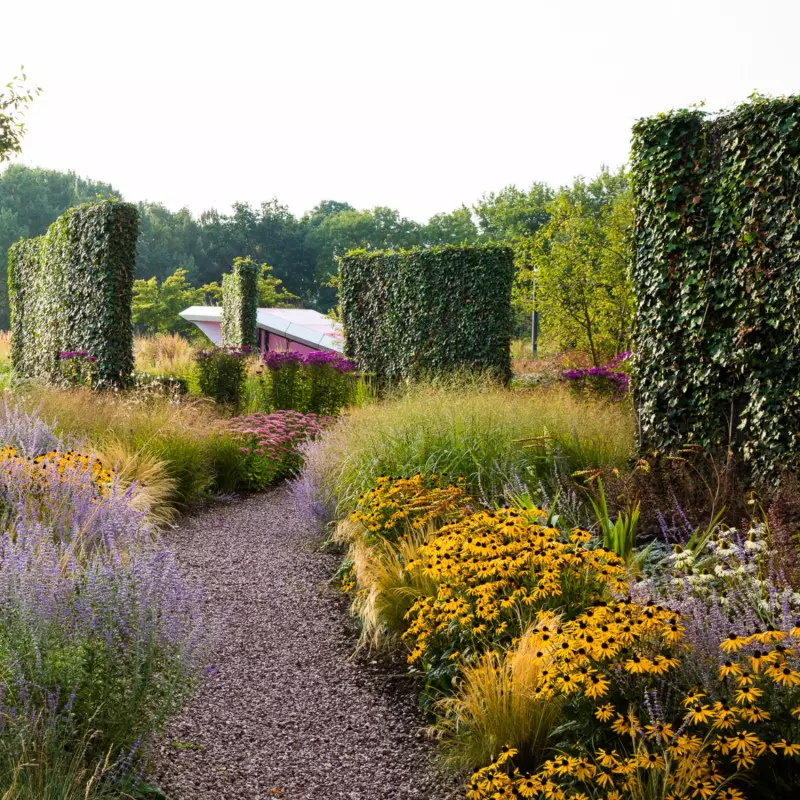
425 311
605 381
70 290
271 442
240 304
78 368
493 438
319 382
716 275
221 374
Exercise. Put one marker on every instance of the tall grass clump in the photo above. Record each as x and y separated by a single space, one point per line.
164 354
496 705
198 456
492 437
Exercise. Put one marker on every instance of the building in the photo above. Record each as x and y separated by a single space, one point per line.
297 329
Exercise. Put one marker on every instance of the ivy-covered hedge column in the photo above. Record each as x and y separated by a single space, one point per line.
717 277
240 304
71 289
421 311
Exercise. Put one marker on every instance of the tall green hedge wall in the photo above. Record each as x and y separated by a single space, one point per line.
421 311
71 289
240 304
717 276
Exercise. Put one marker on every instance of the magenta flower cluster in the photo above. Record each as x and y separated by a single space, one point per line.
276 436
605 379
275 359
235 352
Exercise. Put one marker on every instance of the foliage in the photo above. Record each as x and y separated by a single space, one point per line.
715 276
155 308
240 304
513 212
199 459
99 640
164 355
319 382
30 200
581 259
495 705
221 374
493 438
606 381
433 310
71 290
14 101
271 443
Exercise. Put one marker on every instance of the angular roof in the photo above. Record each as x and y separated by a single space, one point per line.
302 325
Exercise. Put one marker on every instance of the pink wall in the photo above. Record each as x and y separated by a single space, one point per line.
276 342
271 340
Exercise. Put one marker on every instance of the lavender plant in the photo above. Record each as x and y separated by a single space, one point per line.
99 638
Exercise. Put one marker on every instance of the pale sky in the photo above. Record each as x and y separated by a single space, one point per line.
421 106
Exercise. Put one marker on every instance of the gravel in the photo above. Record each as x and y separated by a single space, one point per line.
289 711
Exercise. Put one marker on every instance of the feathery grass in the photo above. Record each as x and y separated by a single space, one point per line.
493 437
494 705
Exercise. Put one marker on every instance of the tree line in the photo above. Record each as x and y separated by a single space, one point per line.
574 237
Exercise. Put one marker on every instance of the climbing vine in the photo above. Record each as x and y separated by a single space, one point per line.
240 304
432 310
717 277
70 290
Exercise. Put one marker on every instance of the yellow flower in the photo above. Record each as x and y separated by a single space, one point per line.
729 669
699 714
604 712
784 675
734 643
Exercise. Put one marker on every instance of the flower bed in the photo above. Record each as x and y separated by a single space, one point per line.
556 674
271 442
319 382
99 639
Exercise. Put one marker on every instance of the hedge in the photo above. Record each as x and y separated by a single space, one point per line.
71 289
240 304
425 311
717 276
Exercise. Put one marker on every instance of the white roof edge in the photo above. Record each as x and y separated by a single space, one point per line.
271 323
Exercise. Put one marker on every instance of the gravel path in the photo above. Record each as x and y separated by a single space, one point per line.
288 712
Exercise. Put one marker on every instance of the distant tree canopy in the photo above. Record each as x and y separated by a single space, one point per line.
181 257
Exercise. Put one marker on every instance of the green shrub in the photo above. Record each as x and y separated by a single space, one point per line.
70 290
221 374
240 304
425 311
717 275
320 382
495 438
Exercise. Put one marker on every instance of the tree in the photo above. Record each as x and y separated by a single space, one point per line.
271 293
583 287
156 308
512 212
14 102
458 227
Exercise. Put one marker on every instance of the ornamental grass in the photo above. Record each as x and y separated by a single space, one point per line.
489 436
557 674
198 459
